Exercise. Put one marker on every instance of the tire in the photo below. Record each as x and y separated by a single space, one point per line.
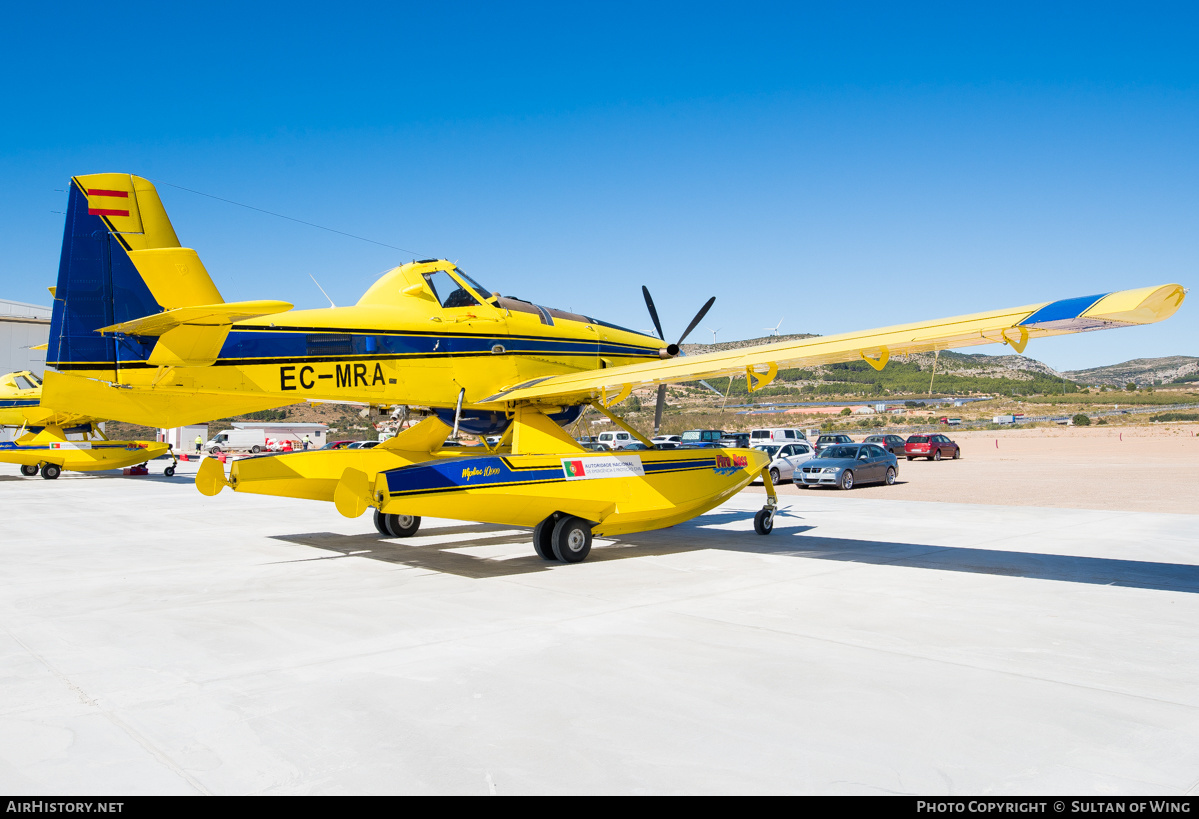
379 524
543 538
846 480
401 525
572 539
29 470
774 476
216 450
891 476
909 457
957 453
936 456
764 522
255 449
51 471
169 471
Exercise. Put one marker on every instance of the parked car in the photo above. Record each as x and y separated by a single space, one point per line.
666 439
735 439
667 445
702 436
615 439
932 446
634 446
337 445
846 465
364 445
831 439
892 443
785 459
776 435
594 446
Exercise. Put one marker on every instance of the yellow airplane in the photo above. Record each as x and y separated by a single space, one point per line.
140 333
43 445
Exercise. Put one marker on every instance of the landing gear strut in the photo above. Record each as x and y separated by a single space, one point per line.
764 519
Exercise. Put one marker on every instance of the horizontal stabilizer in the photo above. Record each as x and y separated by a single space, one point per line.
206 315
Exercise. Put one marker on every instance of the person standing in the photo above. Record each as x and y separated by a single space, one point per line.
199 444
307 441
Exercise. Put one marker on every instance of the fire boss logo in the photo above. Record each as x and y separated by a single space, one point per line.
727 462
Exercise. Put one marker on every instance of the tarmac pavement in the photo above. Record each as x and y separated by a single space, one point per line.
156 641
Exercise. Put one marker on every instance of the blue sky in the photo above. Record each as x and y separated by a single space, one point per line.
836 166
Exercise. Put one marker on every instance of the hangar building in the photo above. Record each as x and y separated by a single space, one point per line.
23 326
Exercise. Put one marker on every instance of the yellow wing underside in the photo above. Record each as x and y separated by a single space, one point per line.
1015 326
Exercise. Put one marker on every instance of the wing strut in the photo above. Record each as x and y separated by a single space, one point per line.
620 423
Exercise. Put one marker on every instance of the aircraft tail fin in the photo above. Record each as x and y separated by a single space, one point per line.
121 260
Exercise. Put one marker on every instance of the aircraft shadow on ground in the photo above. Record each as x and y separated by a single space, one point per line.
788 539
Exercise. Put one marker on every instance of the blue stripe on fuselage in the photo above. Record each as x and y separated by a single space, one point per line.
464 473
467 473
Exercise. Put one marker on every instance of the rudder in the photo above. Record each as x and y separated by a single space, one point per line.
121 260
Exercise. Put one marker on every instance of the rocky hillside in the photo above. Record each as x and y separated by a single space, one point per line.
1140 371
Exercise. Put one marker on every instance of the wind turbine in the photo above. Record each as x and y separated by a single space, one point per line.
713 332
774 331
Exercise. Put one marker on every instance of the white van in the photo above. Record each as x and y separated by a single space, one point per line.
776 435
228 440
615 439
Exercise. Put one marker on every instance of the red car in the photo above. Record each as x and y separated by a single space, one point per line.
933 446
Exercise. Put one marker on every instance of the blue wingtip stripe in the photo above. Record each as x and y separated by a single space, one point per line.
1064 309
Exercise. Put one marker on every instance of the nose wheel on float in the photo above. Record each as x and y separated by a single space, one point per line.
764 519
170 470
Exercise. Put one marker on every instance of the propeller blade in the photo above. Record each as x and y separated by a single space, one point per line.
653 313
703 311
658 408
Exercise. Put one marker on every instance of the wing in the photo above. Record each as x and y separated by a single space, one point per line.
1015 326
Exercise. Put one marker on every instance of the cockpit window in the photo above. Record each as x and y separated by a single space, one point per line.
448 292
482 291
24 383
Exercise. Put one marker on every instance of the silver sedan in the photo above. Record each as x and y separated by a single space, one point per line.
846 465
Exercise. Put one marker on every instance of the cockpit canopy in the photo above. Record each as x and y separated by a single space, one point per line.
450 293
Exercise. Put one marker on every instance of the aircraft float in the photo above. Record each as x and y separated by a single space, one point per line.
140 333
42 443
